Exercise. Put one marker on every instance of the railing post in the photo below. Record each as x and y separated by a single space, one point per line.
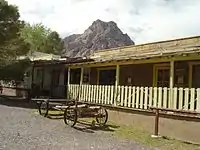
81 82
68 83
116 85
171 83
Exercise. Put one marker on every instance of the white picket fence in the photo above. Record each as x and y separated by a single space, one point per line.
138 97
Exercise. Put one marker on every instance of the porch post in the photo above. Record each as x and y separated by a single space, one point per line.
116 85
68 83
171 82
81 82
81 78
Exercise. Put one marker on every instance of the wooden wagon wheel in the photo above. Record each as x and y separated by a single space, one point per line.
102 116
70 116
44 108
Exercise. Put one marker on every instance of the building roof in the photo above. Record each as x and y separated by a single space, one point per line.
34 56
61 61
157 49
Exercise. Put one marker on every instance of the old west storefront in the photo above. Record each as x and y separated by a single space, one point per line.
163 74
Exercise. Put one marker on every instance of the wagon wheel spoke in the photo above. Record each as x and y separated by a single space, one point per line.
102 116
70 116
43 108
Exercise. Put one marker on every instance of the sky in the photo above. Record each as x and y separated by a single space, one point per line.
143 20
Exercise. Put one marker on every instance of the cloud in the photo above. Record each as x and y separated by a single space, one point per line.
143 20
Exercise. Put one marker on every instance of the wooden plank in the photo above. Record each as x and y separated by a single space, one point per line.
155 92
150 96
175 91
92 94
87 93
100 94
84 92
141 97
133 97
137 96
97 94
72 94
180 98
118 95
125 96
192 99
186 100
198 99
112 95
169 105
68 83
76 90
122 96
146 98
160 97
103 94
129 96
109 95
106 95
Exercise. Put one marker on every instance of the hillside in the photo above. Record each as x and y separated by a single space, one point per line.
100 35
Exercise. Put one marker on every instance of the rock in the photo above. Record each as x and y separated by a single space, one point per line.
100 35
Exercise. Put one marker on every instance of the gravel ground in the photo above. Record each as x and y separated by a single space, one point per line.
22 129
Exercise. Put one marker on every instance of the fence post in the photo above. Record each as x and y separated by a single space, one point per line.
156 124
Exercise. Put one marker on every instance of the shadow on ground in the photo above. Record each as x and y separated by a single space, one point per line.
89 126
13 101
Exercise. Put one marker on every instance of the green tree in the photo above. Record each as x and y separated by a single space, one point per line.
42 39
35 35
15 70
53 44
11 45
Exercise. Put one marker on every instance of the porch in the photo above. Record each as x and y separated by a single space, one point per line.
169 84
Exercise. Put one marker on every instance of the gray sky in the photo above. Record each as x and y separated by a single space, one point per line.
143 20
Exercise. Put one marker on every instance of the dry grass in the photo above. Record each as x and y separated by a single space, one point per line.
137 134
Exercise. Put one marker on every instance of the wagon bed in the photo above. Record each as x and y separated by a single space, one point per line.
73 109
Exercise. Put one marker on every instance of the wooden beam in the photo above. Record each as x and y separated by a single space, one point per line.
139 61
171 84
116 84
81 77
117 76
68 83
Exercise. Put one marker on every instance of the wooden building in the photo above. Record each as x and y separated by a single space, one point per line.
161 74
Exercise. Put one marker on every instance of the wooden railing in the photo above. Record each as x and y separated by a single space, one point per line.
138 97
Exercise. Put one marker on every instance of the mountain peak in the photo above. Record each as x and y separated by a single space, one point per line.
100 35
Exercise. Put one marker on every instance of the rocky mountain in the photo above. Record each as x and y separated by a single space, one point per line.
100 35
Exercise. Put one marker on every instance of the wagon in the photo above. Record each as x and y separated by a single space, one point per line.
73 110
80 109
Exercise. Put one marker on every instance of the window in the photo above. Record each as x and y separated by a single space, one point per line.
161 75
107 77
86 75
75 75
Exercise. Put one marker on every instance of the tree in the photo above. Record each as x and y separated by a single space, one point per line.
15 70
42 39
35 35
9 22
11 44
53 44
